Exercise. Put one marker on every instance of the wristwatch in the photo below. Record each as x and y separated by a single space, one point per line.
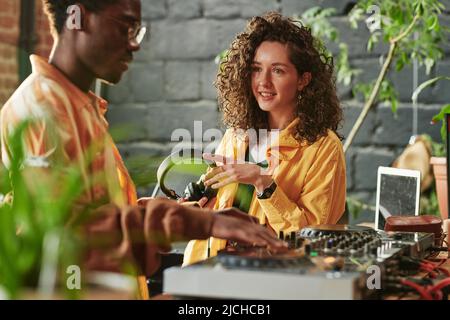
267 192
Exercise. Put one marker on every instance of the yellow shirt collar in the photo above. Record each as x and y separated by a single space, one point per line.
287 144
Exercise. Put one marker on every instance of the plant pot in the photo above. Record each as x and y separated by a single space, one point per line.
440 174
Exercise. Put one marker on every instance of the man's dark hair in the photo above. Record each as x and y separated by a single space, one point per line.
56 10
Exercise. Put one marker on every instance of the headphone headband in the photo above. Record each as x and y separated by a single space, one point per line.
173 159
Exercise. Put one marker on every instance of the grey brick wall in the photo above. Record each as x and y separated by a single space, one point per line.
169 85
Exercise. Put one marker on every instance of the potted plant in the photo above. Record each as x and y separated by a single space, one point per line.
439 161
34 238
411 29
40 242
439 165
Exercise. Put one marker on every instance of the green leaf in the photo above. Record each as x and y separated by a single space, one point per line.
356 15
311 12
443 132
394 105
221 57
425 84
432 22
440 116
419 9
399 64
369 45
328 12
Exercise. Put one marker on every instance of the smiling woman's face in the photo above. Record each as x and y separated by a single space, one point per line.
275 81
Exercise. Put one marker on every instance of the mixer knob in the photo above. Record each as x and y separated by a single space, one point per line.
270 263
330 243
366 248
232 261
373 250
307 249
293 235
244 263
256 263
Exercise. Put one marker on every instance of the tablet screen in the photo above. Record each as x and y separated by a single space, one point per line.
398 192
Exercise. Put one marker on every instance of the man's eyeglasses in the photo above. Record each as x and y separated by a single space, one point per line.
136 31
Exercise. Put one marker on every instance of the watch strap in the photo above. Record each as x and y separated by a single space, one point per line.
267 192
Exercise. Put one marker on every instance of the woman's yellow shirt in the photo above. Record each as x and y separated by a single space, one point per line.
311 186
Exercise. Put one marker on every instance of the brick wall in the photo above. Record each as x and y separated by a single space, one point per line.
9 34
43 36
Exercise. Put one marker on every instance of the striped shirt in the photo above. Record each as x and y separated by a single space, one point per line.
68 127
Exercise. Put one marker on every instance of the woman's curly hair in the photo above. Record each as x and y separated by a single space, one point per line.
318 108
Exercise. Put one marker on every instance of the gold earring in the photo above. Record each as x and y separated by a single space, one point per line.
299 98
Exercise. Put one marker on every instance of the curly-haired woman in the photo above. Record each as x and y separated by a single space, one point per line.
276 77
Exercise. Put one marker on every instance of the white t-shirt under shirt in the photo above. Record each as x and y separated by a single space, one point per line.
258 150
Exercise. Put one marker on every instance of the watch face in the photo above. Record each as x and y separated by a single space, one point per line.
267 193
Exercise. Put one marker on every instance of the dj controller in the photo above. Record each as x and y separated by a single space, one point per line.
323 262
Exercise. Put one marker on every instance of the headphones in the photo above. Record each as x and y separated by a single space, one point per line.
194 190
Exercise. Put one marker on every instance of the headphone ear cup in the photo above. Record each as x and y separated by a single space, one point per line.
188 191
210 193
198 192
193 192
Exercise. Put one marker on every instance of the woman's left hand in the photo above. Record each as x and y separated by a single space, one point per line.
232 172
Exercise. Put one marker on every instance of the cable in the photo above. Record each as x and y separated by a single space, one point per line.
440 285
445 249
426 264
409 264
438 295
424 293
427 267
430 271
444 271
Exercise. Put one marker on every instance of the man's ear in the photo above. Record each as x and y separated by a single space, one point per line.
76 14
304 80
